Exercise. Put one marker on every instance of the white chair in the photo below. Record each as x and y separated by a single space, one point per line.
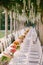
12 38
4 44
16 35
1 47
9 40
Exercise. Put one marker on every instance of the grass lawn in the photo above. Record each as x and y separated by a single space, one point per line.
2 33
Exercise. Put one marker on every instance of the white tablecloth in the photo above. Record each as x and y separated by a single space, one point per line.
30 51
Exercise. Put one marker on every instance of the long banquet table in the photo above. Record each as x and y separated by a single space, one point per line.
30 52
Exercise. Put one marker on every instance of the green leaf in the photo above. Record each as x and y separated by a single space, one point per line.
4 58
18 47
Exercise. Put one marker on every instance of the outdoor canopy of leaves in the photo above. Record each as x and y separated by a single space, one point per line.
18 4
41 4
9 3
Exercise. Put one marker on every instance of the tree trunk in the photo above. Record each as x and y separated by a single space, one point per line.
39 28
24 5
41 32
6 23
14 21
11 21
17 21
28 4
11 26
0 20
0 17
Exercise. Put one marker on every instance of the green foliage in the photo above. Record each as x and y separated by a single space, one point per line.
41 4
16 5
34 5
18 47
3 22
5 3
3 58
10 4
19 6
19 2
